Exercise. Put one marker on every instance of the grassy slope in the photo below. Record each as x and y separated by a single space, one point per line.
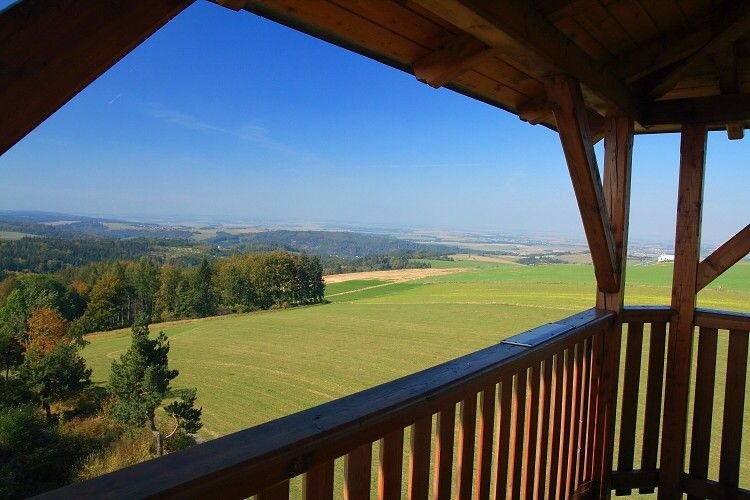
255 367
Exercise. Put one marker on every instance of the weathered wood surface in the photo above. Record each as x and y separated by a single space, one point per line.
419 458
50 51
357 470
483 476
687 252
723 320
654 387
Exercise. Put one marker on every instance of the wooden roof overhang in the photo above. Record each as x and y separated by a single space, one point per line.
662 63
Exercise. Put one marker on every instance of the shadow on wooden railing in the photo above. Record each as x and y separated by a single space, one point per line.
720 354
521 401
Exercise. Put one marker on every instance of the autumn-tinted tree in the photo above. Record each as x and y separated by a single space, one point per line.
140 381
46 329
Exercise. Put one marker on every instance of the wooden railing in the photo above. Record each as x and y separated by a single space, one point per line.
524 430
645 339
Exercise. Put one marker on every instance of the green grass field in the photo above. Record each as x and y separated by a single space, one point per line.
254 367
14 235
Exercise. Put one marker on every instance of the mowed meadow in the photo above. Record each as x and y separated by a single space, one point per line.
250 368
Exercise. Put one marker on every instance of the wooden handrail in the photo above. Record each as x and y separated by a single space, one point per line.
646 314
243 463
723 320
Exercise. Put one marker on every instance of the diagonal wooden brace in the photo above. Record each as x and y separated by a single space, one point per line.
572 125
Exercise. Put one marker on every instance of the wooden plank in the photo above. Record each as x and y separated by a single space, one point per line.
575 415
483 477
502 449
572 126
558 396
419 458
276 492
703 403
654 387
515 464
456 56
687 251
543 443
722 320
734 410
646 314
630 393
50 51
246 462
531 423
318 482
706 488
605 368
466 436
724 36
357 472
726 66
642 479
713 110
583 430
567 411
517 26
443 471
391 462
724 257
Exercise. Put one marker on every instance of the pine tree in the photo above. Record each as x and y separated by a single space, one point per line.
140 381
203 289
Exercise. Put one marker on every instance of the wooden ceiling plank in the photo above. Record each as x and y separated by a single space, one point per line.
728 30
724 257
572 125
634 19
512 25
82 39
457 55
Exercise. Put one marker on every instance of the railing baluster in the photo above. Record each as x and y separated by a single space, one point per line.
705 379
318 483
517 433
565 423
503 437
419 459
633 354
554 439
584 413
531 425
446 426
574 421
357 472
654 386
278 491
540 467
466 435
391 462
483 477
734 403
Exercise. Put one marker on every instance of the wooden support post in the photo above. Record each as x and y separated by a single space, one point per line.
572 125
687 252
50 51
723 258
618 156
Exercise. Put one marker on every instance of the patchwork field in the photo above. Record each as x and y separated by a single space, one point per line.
254 367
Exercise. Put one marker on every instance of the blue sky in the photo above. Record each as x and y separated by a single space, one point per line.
228 116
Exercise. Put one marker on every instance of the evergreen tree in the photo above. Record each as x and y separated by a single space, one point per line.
140 381
204 294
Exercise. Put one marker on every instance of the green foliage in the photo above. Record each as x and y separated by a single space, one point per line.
54 376
140 380
34 457
204 297
188 417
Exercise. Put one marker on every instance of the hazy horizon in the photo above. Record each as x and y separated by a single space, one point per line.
277 125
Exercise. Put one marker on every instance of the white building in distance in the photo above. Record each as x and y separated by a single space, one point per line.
665 258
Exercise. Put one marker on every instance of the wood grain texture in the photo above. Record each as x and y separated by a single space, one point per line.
419 458
357 473
318 483
654 388
630 391
443 469
391 462
485 435
466 436
734 410
679 355
724 257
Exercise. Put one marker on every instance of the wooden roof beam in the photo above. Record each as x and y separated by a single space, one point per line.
724 257
50 51
572 125
456 56
514 27
713 110
726 65
726 31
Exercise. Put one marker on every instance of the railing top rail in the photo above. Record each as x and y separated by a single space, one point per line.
646 314
723 320
241 464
